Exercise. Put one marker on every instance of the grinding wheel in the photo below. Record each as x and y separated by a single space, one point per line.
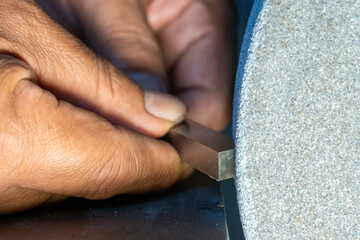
297 120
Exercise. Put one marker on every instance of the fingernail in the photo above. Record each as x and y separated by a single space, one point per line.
187 171
149 81
165 106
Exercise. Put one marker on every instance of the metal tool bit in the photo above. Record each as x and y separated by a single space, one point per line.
204 149
213 154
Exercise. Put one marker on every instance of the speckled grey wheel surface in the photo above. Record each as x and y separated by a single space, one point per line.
297 120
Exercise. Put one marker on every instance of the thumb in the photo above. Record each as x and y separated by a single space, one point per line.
118 30
49 146
72 72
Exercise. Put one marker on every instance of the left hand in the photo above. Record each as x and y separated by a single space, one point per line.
187 46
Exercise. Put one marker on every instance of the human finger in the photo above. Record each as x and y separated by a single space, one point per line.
72 72
198 46
52 148
119 31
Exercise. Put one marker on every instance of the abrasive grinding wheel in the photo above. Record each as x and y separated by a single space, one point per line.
297 120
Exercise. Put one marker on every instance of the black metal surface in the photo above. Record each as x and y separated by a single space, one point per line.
190 210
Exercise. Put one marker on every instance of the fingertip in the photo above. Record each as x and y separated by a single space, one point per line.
165 106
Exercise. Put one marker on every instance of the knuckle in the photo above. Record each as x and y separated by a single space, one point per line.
123 170
105 186
12 132
108 176
107 80
113 86
13 70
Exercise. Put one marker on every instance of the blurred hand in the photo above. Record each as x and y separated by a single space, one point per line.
71 123
186 45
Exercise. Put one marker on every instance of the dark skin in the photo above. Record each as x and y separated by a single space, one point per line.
75 124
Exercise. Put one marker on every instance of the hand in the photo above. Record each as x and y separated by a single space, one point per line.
188 44
50 146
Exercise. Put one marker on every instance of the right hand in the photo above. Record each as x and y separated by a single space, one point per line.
71 124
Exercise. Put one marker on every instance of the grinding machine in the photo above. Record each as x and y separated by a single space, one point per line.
294 171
